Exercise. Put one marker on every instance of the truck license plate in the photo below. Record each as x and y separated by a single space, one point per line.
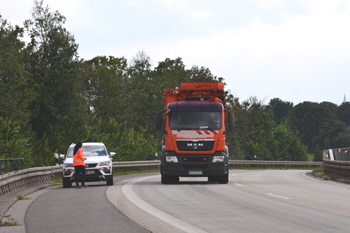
90 172
195 172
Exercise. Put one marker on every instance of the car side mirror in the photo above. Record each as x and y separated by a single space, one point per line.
112 154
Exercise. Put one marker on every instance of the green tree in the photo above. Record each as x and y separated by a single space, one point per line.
308 119
15 132
328 135
254 125
342 139
15 94
143 93
54 68
203 74
318 155
344 113
13 143
286 145
279 109
104 84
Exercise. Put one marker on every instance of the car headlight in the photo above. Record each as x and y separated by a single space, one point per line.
218 159
105 163
67 165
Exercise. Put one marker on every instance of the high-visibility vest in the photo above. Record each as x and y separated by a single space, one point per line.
78 158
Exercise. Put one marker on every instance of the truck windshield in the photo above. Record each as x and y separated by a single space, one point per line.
195 120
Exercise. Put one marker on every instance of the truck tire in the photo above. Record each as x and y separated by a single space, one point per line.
212 179
223 179
165 179
109 180
67 182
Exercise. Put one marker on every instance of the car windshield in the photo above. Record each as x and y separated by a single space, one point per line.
195 120
89 151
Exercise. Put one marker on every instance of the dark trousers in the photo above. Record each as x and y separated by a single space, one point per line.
79 171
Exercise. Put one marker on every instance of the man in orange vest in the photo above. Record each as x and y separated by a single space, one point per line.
79 164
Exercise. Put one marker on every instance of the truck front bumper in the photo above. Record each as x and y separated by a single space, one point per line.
194 166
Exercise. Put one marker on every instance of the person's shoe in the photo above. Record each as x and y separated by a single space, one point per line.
85 186
77 187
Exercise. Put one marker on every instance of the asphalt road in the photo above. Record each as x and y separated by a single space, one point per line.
253 201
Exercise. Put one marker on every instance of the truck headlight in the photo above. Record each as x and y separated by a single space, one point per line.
104 163
67 165
171 159
218 159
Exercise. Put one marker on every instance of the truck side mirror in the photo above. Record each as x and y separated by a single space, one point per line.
159 120
231 120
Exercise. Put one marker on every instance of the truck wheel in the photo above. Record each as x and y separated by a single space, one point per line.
109 180
169 179
175 179
165 179
66 182
223 179
212 179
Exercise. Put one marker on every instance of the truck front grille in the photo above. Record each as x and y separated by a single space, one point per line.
191 145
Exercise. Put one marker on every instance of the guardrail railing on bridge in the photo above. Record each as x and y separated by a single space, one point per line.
15 180
337 162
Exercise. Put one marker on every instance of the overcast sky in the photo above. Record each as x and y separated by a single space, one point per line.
295 50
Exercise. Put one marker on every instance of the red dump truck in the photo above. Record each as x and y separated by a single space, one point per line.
194 143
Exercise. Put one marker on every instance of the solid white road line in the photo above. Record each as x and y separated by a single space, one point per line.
134 198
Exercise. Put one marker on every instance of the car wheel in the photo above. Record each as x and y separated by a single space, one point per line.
109 180
67 182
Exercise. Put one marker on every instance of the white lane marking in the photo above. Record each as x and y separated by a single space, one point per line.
240 185
134 198
282 197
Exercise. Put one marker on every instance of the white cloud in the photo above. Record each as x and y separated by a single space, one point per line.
201 15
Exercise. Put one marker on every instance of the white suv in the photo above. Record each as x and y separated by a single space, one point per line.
98 163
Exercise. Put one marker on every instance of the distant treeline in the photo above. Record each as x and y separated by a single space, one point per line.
49 98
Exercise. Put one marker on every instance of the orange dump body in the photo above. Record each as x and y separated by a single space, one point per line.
196 91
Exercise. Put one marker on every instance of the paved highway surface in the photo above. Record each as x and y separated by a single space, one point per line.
253 201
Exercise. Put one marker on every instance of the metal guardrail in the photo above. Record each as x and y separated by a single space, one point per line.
336 162
337 169
15 180
259 163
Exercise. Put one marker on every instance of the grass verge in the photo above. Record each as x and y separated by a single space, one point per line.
8 220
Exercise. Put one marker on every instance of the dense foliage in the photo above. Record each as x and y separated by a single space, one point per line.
51 98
